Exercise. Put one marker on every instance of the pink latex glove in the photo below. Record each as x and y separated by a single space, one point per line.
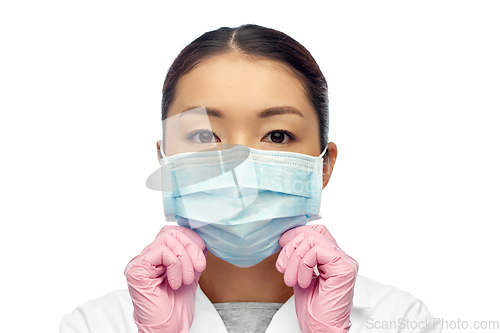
323 303
162 280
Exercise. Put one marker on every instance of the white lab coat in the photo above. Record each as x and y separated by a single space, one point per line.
376 308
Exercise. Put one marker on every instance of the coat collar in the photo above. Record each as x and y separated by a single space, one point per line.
285 319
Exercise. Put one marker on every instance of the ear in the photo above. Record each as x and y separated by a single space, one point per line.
329 162
158 152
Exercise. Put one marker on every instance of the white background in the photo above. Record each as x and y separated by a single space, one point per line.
414 89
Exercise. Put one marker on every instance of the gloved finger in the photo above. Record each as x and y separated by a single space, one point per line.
290 234
289 248
165 257
144 272
166 231
194 251
280 262
305 271
169 229
173 243
324 231
342 267
197 276
298 247
317 255
193 248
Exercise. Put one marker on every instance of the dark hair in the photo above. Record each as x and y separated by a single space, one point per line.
254 40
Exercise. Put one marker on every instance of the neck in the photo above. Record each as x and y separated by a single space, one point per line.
223 282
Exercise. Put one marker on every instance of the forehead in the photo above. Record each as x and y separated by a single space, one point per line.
238 83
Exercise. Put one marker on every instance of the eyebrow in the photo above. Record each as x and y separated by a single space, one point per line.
274 111
278 110
201 110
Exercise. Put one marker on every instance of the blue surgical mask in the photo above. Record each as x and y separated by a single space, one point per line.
241 200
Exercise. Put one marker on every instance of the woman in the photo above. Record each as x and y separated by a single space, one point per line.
244 157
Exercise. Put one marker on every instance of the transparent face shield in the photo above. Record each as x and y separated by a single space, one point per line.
240 200
205 181
194 167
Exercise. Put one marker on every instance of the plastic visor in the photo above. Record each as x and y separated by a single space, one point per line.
188 136
193 163
205 181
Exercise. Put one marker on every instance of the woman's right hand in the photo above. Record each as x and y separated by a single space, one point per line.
162 280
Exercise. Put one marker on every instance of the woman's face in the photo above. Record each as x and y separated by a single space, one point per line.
258 103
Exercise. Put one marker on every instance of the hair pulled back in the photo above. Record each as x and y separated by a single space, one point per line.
254 40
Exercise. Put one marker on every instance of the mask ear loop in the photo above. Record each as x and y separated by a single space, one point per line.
309 219
169 217
161 149
324 151
163 129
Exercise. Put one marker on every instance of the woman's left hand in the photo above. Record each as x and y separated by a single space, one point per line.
323 303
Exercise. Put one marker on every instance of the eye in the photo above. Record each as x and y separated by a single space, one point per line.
279 136
203 136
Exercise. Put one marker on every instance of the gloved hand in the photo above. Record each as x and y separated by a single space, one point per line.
162 280
323 303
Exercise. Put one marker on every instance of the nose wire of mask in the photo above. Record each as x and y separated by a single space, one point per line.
241 214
